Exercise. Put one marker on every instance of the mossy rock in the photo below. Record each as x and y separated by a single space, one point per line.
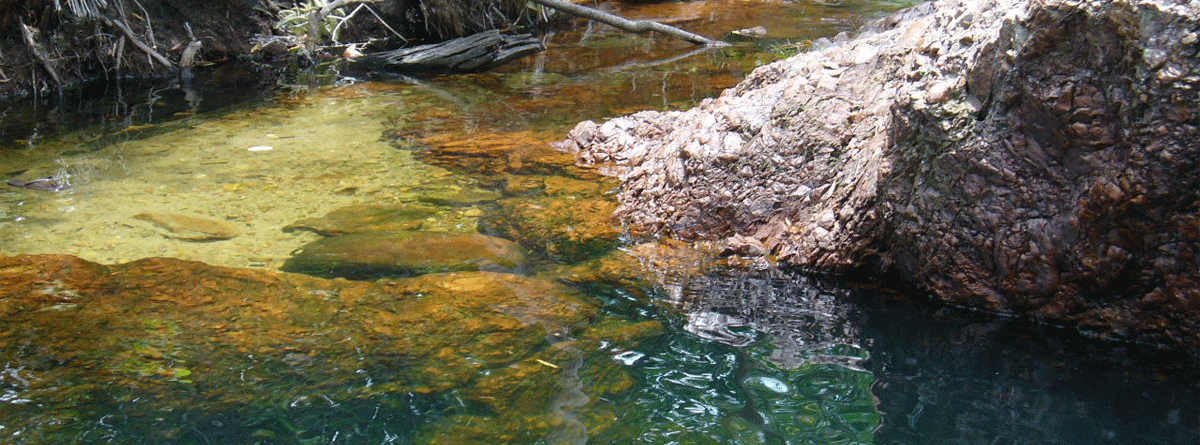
459 197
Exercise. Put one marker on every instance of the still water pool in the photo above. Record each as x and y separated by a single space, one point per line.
586 340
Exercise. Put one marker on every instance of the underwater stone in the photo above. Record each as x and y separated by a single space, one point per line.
365 218
460 197
371 255
190 228
567 228
184 336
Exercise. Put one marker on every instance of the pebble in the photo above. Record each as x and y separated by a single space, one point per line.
938 93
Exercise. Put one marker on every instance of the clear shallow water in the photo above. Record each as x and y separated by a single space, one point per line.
739 357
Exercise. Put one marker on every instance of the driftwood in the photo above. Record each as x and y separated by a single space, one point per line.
626 24
465 54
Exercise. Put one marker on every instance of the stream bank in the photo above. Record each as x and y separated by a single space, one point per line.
51 45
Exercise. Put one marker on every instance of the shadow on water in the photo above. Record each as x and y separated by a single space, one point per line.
121 108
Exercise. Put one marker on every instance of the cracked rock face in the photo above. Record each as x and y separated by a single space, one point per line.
1035 157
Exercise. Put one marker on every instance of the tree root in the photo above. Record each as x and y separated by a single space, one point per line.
154 55
30 33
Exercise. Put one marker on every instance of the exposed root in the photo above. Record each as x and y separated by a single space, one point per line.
154 55
120 51
30 33
85 8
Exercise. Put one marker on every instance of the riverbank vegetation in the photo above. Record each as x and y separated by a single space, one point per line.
51 44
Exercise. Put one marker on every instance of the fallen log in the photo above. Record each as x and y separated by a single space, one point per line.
626 24
465 54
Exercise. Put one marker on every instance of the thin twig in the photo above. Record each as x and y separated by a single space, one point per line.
333 35
149 25
385 24
120 51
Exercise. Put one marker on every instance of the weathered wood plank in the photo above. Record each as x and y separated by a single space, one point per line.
465 54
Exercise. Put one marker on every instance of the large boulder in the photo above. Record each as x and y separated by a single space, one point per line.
1034 157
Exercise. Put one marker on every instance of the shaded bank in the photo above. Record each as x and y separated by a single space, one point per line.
48 45
1035 158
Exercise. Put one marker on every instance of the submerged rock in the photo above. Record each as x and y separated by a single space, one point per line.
459 197
365 218
165 344
191 228
500 152
382 254
1023 157
566 227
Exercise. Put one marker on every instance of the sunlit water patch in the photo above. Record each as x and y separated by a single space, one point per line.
257 169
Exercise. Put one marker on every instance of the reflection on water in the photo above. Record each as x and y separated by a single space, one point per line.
117 108
161 351
806 323
946 376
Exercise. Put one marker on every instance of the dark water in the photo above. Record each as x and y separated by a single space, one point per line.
122 107
742 358
944 375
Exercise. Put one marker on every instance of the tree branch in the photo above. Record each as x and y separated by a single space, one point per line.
626 24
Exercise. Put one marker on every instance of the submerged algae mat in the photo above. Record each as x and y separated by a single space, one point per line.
164 350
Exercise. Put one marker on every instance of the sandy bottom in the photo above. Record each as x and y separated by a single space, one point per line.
260 169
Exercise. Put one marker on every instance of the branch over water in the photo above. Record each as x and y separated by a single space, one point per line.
626 24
